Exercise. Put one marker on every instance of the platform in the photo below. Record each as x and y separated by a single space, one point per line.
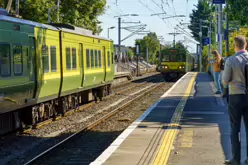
123 74
189 125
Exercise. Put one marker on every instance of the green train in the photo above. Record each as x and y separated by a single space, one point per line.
49 69
175 62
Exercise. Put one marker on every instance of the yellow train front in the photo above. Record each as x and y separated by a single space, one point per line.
175 62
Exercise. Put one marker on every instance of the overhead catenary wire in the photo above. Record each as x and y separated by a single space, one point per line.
153 13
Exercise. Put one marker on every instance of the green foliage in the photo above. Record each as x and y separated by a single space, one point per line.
238 11
83 13
2 5
242 31
151 40
36 10
130 53
178 45
205 63
79 13
203 11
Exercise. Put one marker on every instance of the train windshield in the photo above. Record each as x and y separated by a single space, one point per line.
173 58
181 58
166 58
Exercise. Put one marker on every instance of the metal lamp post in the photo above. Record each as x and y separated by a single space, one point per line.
110 28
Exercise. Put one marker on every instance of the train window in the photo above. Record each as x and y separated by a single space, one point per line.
100 58
108 59
96 59
53 58
88 58
166 58
173 58
45 59
180 58
68 58
5 63
92 59
74 58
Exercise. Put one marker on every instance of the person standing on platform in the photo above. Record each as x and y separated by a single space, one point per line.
234 78
217 70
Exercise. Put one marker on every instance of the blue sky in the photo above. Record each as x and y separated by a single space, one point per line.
154 23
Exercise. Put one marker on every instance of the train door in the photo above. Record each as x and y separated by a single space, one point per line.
81 61
32 64
104 63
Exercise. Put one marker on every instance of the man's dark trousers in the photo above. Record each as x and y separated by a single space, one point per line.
238 108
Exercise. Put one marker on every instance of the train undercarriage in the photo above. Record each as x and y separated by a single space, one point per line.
31 116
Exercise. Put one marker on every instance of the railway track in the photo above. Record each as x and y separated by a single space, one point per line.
18 149
118 90
88 138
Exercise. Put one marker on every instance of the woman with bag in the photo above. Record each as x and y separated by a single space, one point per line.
217 70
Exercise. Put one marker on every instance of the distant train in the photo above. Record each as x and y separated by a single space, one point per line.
175 62
49 69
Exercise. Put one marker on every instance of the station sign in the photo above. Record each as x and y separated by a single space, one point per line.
219 2
206 41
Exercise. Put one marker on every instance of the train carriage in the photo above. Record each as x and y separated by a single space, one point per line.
175 62
49 69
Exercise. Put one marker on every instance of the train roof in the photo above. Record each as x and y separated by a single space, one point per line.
56 27
26 22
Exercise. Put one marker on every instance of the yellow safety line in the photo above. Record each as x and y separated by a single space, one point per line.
169 136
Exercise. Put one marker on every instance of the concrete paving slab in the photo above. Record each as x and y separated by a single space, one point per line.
141 146
207 117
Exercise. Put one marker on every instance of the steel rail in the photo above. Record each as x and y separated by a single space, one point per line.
92 125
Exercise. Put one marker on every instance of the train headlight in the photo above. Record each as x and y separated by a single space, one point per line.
181 67
166 67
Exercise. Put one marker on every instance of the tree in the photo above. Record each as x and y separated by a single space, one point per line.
151 41
36 10
203 11
238 11
79 13
83 13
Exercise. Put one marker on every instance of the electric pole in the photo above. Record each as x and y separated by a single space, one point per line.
220 28
160 53
227 31
119 35
147 57
137 60
200 46
210 42
119 30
